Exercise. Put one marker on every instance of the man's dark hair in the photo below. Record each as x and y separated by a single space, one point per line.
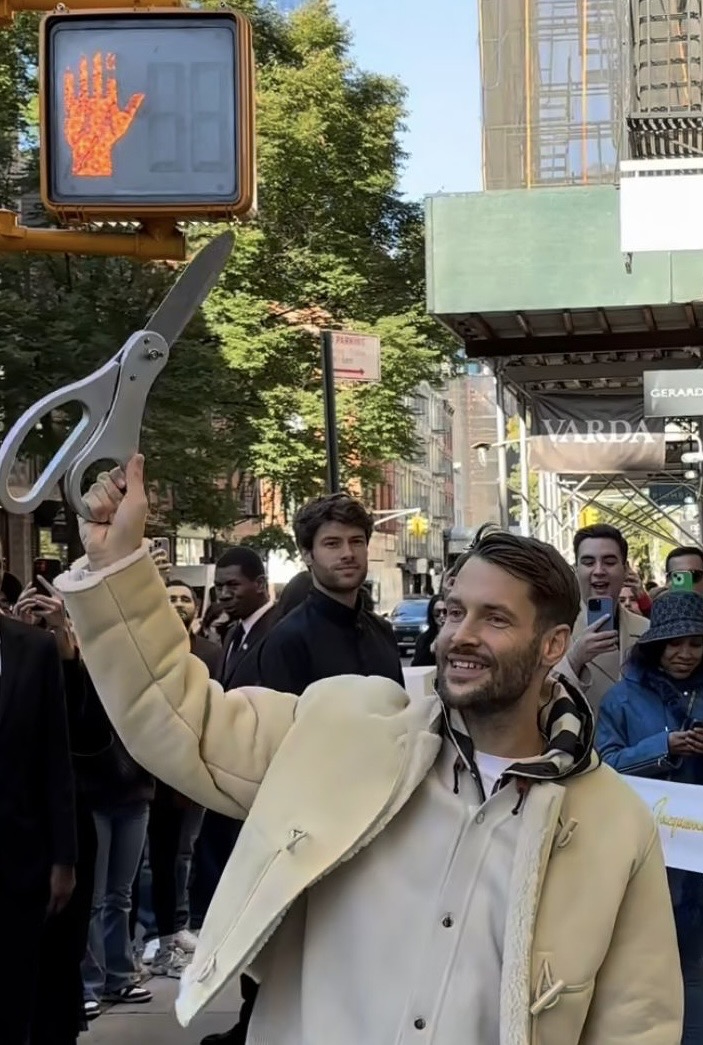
182 584
690 550
248 560
336 507
553 586
601 532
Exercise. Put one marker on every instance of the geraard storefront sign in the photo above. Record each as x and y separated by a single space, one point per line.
673 393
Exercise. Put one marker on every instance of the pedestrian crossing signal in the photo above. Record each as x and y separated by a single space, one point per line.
418 526
147 115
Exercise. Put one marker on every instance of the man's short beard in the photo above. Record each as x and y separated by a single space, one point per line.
509 679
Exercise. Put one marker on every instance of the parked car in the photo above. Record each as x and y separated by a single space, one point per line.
409 620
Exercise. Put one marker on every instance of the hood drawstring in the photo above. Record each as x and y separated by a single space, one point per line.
522 786
458 768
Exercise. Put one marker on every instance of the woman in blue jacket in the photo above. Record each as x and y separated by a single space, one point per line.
651 724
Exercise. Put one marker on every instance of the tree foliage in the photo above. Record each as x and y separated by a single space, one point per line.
334 245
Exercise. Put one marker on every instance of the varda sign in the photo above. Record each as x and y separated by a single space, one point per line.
582 434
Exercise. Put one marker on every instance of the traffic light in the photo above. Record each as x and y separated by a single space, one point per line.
147 116
589 516
418 526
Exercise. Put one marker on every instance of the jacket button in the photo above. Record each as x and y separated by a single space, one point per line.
420 1024
480 817
447 921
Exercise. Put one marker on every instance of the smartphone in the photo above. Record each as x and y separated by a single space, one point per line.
161 544
696 724
49 569
597 607
682 580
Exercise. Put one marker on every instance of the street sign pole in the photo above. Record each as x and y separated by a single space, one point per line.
328 393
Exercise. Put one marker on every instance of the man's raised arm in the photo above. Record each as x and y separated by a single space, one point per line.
214 747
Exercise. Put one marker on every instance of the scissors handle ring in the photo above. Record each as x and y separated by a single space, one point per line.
94 394
116 439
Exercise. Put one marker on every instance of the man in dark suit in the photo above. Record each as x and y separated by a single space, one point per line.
38 847
242 591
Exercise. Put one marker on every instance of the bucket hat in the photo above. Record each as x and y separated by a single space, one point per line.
675 615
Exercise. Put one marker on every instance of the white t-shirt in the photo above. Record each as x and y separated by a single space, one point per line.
491 768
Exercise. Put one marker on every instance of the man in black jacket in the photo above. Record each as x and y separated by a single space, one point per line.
331 633
38 847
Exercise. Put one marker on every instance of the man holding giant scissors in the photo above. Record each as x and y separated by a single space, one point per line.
410 872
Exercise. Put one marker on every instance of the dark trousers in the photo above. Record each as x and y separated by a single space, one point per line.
24 915
212 851
165 826
58 1014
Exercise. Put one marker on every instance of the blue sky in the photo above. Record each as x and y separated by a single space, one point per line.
433 48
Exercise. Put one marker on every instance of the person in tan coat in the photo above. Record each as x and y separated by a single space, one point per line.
462 872
596 656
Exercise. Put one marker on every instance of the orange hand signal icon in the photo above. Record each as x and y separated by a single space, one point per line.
93 120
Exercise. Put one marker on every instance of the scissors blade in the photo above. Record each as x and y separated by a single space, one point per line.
191 288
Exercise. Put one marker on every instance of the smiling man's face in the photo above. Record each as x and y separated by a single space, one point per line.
489 651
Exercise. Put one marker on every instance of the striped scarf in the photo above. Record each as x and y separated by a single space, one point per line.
565 721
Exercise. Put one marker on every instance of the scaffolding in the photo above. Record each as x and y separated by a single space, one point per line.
665 110
552 86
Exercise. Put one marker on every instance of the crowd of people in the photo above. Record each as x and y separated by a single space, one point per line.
121 848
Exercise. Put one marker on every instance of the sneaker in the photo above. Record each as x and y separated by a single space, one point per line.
129 995
187 941
170 962
150 950
91 1010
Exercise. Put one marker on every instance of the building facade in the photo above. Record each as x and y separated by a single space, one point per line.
473 398
552 75
402 564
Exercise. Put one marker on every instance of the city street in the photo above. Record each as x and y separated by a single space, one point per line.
156 1024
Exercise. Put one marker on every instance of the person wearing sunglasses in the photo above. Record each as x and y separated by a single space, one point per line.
686 560
425 646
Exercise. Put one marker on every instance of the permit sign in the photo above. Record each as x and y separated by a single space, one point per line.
673 393
356 357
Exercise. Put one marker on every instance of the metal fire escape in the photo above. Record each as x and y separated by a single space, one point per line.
665 118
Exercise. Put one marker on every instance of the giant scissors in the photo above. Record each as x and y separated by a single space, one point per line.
113 398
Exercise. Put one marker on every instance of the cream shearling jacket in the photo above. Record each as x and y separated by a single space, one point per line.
590 952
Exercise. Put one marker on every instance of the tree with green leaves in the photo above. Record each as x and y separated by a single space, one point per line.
334 245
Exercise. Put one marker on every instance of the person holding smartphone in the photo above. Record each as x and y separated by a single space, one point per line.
689 561
605 631
651 724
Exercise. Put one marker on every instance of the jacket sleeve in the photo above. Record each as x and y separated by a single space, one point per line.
56 759
638 997
211 746
649 757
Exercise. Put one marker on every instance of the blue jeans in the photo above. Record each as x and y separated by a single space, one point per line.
109 963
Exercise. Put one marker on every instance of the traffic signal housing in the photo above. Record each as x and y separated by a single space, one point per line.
147 117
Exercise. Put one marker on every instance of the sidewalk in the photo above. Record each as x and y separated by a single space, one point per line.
156 1024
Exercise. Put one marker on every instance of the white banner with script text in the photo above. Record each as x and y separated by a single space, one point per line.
678 810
